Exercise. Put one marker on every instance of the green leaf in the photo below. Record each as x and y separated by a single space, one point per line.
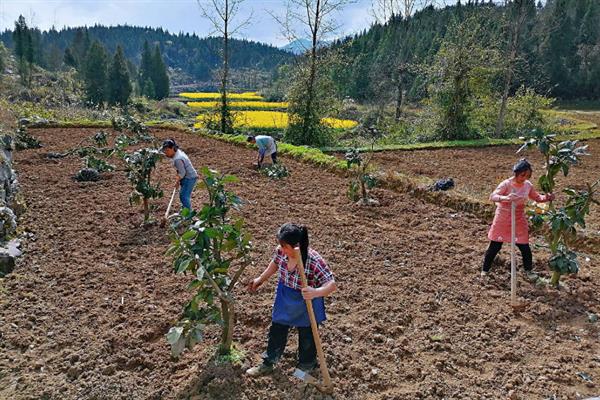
174 334
189 235
212 233
183 265
195 284
200 274
230 179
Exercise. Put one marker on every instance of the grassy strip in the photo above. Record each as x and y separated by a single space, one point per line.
105 124
303 153
419 187
84 123
591 134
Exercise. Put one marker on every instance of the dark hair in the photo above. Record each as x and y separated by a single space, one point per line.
170 144
250 139
521 166
295 235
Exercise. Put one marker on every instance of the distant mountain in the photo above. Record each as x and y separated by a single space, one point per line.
194 57
300 46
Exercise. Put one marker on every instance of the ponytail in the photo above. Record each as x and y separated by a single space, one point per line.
304 245
295 235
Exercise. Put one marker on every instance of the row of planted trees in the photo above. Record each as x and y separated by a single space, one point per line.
214 248
98 154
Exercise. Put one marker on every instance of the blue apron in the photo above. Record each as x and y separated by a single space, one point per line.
290 307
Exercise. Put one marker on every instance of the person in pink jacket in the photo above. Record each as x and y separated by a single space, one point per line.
519 190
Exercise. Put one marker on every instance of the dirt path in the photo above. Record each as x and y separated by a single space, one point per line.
85 312
477 171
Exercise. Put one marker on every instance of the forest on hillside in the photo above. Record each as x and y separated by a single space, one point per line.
197 57
558 54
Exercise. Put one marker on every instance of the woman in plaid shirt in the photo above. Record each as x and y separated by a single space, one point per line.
289 309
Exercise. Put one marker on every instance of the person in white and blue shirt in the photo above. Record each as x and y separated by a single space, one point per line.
186 174
266 147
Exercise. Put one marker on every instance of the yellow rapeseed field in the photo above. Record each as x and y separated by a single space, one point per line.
214 96
272 120
240 104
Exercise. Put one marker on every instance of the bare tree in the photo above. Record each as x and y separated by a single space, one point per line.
383 10
317 22
518 12
222 15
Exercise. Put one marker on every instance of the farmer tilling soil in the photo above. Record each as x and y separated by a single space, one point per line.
266 147
385 312
517 189
290 308
186 174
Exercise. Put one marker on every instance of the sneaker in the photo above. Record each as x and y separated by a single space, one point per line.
262 369
531 276
308 368
484 274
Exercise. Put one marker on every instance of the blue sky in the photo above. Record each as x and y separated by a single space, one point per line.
174 15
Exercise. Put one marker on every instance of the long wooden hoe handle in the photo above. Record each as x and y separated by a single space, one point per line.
513 263
170 203
313 324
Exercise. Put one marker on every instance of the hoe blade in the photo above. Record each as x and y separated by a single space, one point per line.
306 377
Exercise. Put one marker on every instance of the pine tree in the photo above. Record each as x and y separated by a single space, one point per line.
148 89
2 59
69 58
54 58
19 37
557 49
589 32
119 84
23 49
588 42
160 78
145 71
80 46
95 73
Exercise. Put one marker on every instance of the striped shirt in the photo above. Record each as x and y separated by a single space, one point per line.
316 269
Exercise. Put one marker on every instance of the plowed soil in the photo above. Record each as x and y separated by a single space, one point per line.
477 171
85 312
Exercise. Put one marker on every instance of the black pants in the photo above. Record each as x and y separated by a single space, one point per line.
495 247
307 351
273 158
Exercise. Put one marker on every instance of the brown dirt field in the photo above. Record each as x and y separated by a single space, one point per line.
85 312
477 171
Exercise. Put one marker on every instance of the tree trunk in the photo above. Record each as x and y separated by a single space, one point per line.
399 98
228 315
512 57
146 210
555 278
312 76
363 189
505 93
224 107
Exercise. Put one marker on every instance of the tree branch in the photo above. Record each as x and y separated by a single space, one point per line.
238 274
214 284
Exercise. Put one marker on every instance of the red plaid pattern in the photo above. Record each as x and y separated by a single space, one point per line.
317 271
